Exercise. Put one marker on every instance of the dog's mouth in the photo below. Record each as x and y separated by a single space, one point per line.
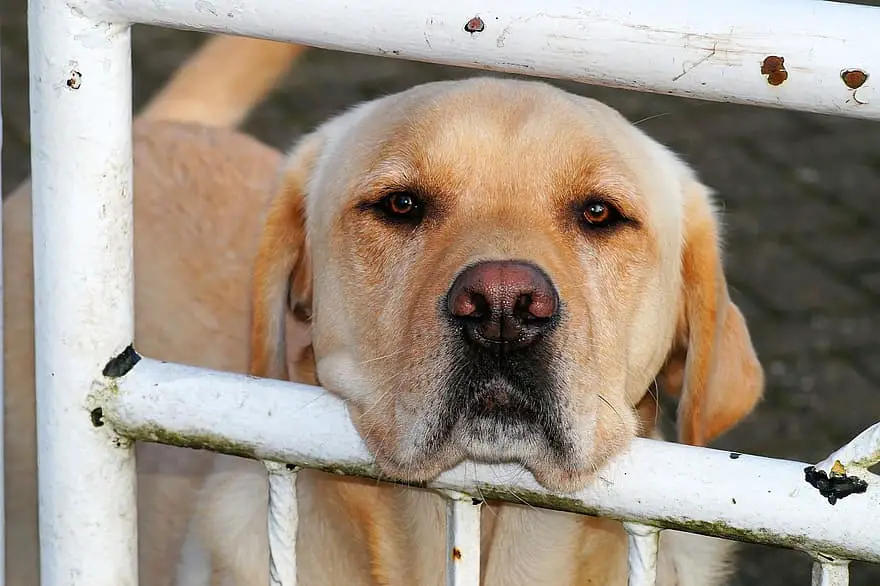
509 415
496 419
503 410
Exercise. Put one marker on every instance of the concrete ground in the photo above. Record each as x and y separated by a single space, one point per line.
802 208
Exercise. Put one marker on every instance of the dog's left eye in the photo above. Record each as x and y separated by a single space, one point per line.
600 214
402 206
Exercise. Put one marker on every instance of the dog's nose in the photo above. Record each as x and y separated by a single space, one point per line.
503 302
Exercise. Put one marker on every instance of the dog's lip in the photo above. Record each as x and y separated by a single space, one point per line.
546 470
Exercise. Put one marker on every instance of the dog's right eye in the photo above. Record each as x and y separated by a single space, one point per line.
402 206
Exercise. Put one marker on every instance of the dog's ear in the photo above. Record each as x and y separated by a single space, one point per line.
713 365
282 277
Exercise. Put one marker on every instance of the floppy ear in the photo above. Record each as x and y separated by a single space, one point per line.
282 277
713 364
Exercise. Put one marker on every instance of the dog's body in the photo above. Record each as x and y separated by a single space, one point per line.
200 198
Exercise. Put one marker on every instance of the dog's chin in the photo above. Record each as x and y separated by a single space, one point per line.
414 469
561 479
550 459
543 466
488 442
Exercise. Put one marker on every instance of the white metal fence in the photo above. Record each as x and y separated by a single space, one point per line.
799 54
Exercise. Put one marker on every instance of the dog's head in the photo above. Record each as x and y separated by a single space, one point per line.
499 270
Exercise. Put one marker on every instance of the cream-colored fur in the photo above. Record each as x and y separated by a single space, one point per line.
199 196
503 169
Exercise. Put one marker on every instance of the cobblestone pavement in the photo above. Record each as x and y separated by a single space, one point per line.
802 208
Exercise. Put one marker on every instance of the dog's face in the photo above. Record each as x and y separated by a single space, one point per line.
501 270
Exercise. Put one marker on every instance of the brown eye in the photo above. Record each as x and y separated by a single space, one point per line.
598 214
402 206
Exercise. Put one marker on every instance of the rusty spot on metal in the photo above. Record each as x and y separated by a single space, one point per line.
774 68
854 78
456 553
75 80
475 25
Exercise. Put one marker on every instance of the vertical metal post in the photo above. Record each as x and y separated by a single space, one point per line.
283 520
830 571
80 86
644 542
462 540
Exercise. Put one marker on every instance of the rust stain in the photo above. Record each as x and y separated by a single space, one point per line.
774 68
456 554
475 25
854 78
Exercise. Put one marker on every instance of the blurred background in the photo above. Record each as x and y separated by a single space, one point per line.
801 198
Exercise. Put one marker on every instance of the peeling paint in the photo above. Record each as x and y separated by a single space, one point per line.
122 363
836 485
74 81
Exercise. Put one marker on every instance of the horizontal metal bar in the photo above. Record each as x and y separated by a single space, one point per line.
747 498
796 54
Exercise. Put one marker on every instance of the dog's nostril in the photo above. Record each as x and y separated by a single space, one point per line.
522 307
542 304
481 306
469 304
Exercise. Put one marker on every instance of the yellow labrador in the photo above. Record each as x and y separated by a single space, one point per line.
200 191
493 270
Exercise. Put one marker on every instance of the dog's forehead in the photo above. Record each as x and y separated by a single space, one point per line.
485 129
494 136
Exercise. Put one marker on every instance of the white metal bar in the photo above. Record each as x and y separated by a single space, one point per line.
643 544
80 92
462 539
829 571
741 496
797 54
283 520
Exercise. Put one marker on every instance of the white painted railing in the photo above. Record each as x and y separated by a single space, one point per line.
798 54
